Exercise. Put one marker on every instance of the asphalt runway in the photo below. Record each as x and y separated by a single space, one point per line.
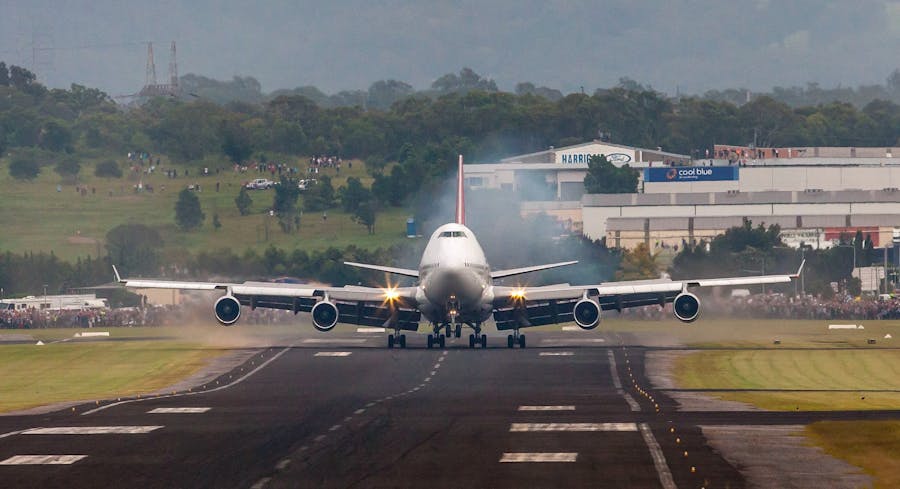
572 410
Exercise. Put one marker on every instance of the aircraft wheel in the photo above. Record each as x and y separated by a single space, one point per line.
448 330
521 341
458 330
390 341
471 341
484 341
430 341
509 341
442 341
403 341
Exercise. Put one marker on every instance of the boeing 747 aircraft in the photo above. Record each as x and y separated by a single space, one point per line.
455 288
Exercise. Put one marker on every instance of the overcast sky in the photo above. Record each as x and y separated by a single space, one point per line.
692 45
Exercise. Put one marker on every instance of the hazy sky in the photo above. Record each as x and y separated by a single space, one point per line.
694 45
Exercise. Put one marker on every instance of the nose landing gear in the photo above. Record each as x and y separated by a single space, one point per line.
515 338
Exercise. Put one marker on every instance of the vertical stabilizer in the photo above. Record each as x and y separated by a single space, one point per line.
460 195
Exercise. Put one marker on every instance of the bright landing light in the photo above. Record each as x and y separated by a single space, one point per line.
517 294
391 294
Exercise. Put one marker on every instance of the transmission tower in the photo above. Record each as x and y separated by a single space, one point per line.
150 79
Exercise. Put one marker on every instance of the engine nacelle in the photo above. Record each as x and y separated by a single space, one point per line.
228 310
587 314
324 316
687 307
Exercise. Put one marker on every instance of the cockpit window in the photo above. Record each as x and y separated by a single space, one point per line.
453 234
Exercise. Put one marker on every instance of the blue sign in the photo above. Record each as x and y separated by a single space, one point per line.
691 174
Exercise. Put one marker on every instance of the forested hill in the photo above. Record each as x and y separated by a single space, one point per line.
423 131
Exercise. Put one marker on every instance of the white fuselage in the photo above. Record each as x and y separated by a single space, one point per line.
454 278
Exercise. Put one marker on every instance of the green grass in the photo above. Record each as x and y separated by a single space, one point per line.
873 446
37 375
794 371
71 225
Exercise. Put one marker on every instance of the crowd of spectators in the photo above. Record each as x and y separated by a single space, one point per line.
780 306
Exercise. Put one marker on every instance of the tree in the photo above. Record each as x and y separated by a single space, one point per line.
320 196
68 169
188 214
638 264
604 178
383 93
243 201
353 194
55 136
216 222
366 214
24 168
236 141
285 203
108 169
4 75
134 248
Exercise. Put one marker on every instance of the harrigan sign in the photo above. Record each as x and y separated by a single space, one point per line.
691 174
618 158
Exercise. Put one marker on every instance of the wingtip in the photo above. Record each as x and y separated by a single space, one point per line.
800 270
116 272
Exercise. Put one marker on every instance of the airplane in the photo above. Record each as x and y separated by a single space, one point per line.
455 287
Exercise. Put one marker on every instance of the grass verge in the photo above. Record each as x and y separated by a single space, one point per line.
873 446
34 376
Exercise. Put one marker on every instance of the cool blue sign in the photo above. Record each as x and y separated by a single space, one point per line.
691 174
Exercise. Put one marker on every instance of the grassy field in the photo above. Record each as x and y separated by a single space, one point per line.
873 446
33 376
71 225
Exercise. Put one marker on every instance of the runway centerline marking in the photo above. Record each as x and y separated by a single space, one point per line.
370 330
92 430
539 457
659 460
546 408
181 410
532 427
333 354
42 459
556 354
576 341
632 404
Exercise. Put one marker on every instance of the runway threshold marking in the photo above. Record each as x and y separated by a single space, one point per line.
42 459
313 341
539 457
179 410
582 427
556 354
370 330
659 460
333 354
546 408
92 430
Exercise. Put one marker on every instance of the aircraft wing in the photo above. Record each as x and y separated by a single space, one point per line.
538 306
365 306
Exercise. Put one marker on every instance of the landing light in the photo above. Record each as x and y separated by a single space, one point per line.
391 294
517 294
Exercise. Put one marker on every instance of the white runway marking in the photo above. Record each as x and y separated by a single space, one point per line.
313 341
529 427
572 328
359 411
335 427
539 457
42 460
659 460
370 330
92 430
182 410
546 408
333 354
571 341
556 354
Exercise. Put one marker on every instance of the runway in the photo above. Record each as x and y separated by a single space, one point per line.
572 410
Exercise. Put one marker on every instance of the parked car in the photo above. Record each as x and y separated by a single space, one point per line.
259 184
305 184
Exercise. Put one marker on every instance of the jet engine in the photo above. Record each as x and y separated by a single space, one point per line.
687 307
228 310
587 314
324 316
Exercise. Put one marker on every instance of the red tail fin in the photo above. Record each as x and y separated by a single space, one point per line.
460 195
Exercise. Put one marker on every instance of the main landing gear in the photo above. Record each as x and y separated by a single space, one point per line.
477 338
513 339
397 339
438 339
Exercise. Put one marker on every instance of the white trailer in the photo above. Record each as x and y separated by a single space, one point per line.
54 303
